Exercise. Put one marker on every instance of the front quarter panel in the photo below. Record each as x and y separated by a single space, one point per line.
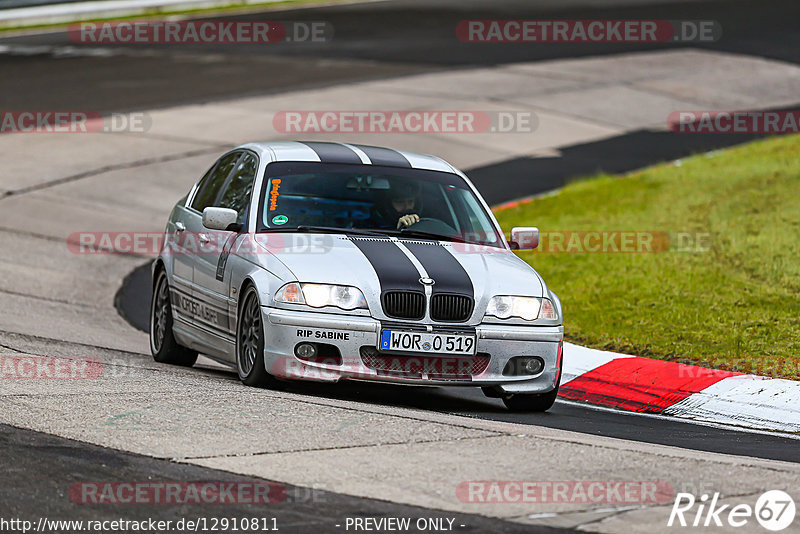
261 268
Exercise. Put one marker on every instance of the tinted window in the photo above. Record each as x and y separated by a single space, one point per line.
370 197
204 179
212 183
236 194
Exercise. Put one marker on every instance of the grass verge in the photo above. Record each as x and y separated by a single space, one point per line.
733 306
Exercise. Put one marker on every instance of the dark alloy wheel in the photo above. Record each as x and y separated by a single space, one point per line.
250 342
163 346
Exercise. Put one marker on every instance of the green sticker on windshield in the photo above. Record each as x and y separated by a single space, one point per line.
280 219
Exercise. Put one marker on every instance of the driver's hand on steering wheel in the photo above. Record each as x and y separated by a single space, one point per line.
407 220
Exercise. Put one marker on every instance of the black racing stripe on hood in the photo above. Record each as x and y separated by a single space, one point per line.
443 267
334 152
384 156
395 271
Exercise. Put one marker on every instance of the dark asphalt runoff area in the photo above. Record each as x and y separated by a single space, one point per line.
370 40
42 477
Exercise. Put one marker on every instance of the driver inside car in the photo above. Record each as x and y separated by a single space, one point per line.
400 206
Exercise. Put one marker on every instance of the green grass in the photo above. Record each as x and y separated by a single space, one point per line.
735 306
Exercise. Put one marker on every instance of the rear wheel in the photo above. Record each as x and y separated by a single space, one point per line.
531 403
250 342
163 346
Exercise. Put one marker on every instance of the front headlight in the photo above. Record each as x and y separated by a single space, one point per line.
528 308
321 295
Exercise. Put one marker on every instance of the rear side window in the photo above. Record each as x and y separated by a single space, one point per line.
213 182
236 194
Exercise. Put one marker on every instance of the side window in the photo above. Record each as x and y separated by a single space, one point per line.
211 184
236 193
469 212
203 180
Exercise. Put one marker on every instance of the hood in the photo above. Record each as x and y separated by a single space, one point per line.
377 264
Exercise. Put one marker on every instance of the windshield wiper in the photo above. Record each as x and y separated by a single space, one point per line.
404 232
430 235
324 230
409 232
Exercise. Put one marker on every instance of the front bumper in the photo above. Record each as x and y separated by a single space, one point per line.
352 335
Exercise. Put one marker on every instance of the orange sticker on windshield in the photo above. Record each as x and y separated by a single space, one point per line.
273 194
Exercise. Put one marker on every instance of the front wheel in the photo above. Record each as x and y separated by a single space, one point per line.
531 403
163 346
250 342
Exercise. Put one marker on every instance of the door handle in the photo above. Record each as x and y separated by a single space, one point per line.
204 238
179 226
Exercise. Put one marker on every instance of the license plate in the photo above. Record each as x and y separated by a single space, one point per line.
426 342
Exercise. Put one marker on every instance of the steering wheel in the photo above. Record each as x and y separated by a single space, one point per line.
434 226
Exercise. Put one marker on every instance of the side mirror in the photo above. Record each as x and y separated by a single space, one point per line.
524 238
221 219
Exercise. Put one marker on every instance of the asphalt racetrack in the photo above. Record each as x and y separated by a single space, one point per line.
374 41
133 302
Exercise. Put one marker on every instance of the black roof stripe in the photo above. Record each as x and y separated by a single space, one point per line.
333 152
384 156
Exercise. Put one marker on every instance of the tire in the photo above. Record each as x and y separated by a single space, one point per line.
250 342
531 403
163 346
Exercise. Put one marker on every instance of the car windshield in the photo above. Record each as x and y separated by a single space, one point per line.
415 203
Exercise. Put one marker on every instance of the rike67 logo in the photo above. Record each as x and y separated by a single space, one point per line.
774 510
